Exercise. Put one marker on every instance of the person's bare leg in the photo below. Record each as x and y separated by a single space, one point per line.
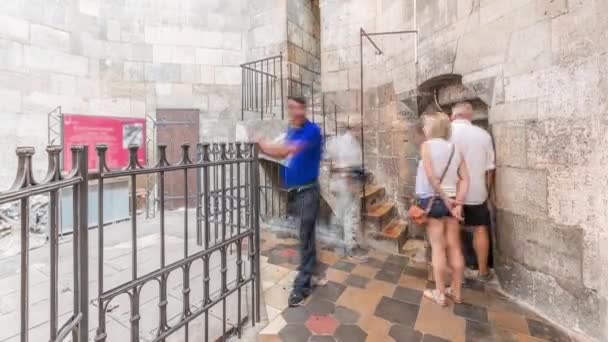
455 257
481 244
435 231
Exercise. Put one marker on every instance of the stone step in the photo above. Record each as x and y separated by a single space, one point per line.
373 195
379 215
391 238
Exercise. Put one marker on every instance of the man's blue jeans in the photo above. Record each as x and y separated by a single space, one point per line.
304 206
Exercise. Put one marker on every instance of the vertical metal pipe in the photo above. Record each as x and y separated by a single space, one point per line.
336 118
256 227
25 253
84 242
76 242
239 249
101 328
207 228
133 228
281 84
312 100
163 325
199 237
54 256
242 93
262 91
224 267
361 109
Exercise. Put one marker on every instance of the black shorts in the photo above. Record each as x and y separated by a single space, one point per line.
477 215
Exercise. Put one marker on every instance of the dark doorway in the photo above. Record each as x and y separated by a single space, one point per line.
175 127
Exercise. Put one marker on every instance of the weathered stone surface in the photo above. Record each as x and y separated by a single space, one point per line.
571 90
522 191
543 246
12 27
50 60
529 49
510 144
49 37
559 142
514 111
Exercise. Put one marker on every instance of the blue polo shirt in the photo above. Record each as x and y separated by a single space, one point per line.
303 167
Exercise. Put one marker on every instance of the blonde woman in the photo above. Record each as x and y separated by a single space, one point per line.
442 181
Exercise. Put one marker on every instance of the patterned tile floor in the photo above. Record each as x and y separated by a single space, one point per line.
381 300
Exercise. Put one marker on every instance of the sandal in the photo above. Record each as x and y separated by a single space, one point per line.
435 296
448 293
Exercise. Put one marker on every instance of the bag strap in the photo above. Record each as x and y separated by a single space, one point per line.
445 170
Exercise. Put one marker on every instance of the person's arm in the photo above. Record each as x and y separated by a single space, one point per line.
280 151
490 168
462 188
427 164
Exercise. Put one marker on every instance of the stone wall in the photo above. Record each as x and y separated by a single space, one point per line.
388 125
303 41
540 67
119 58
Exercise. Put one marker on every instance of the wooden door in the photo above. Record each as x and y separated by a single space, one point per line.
175 127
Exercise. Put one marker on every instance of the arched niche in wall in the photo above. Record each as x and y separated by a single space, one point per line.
442 92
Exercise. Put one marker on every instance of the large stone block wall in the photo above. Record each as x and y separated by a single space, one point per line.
540 66
119 58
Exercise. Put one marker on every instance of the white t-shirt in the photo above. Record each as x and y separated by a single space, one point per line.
439 151
478 151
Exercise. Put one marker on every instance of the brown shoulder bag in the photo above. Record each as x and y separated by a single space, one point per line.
419 215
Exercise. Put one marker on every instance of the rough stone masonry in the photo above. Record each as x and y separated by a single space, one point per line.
537 71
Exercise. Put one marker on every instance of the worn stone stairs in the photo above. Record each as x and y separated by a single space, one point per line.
384 228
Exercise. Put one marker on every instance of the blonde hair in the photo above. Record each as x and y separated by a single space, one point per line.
437 125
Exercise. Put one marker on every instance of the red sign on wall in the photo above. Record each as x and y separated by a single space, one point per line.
116 132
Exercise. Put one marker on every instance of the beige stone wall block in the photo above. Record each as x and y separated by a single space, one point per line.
578 196
522 87
41 102
173 54
529 49
14 28
90 7
11 55
113 30
162 72
112 107
578 34
435 60
526 109
11 101
491 10
48 37
190 73
133 71
54 61
571 91
228 75
522 191
473 56
209 56
565 142
434 15
510 143
63 85
333 81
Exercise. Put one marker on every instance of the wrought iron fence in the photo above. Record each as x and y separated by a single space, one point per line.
259 83
23 188
227 222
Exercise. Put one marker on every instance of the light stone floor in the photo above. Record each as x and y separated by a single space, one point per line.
118 270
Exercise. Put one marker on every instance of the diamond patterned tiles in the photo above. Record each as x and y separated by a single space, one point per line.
379 299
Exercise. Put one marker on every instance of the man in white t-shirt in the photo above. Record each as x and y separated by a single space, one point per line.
478 150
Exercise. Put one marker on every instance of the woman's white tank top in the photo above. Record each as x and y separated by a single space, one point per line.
439 151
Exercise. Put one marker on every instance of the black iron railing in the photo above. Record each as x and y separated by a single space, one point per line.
262 87
227 222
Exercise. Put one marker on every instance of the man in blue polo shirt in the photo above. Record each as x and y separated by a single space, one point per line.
302 149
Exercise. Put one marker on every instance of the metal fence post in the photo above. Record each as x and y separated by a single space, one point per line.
83 227
255 178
